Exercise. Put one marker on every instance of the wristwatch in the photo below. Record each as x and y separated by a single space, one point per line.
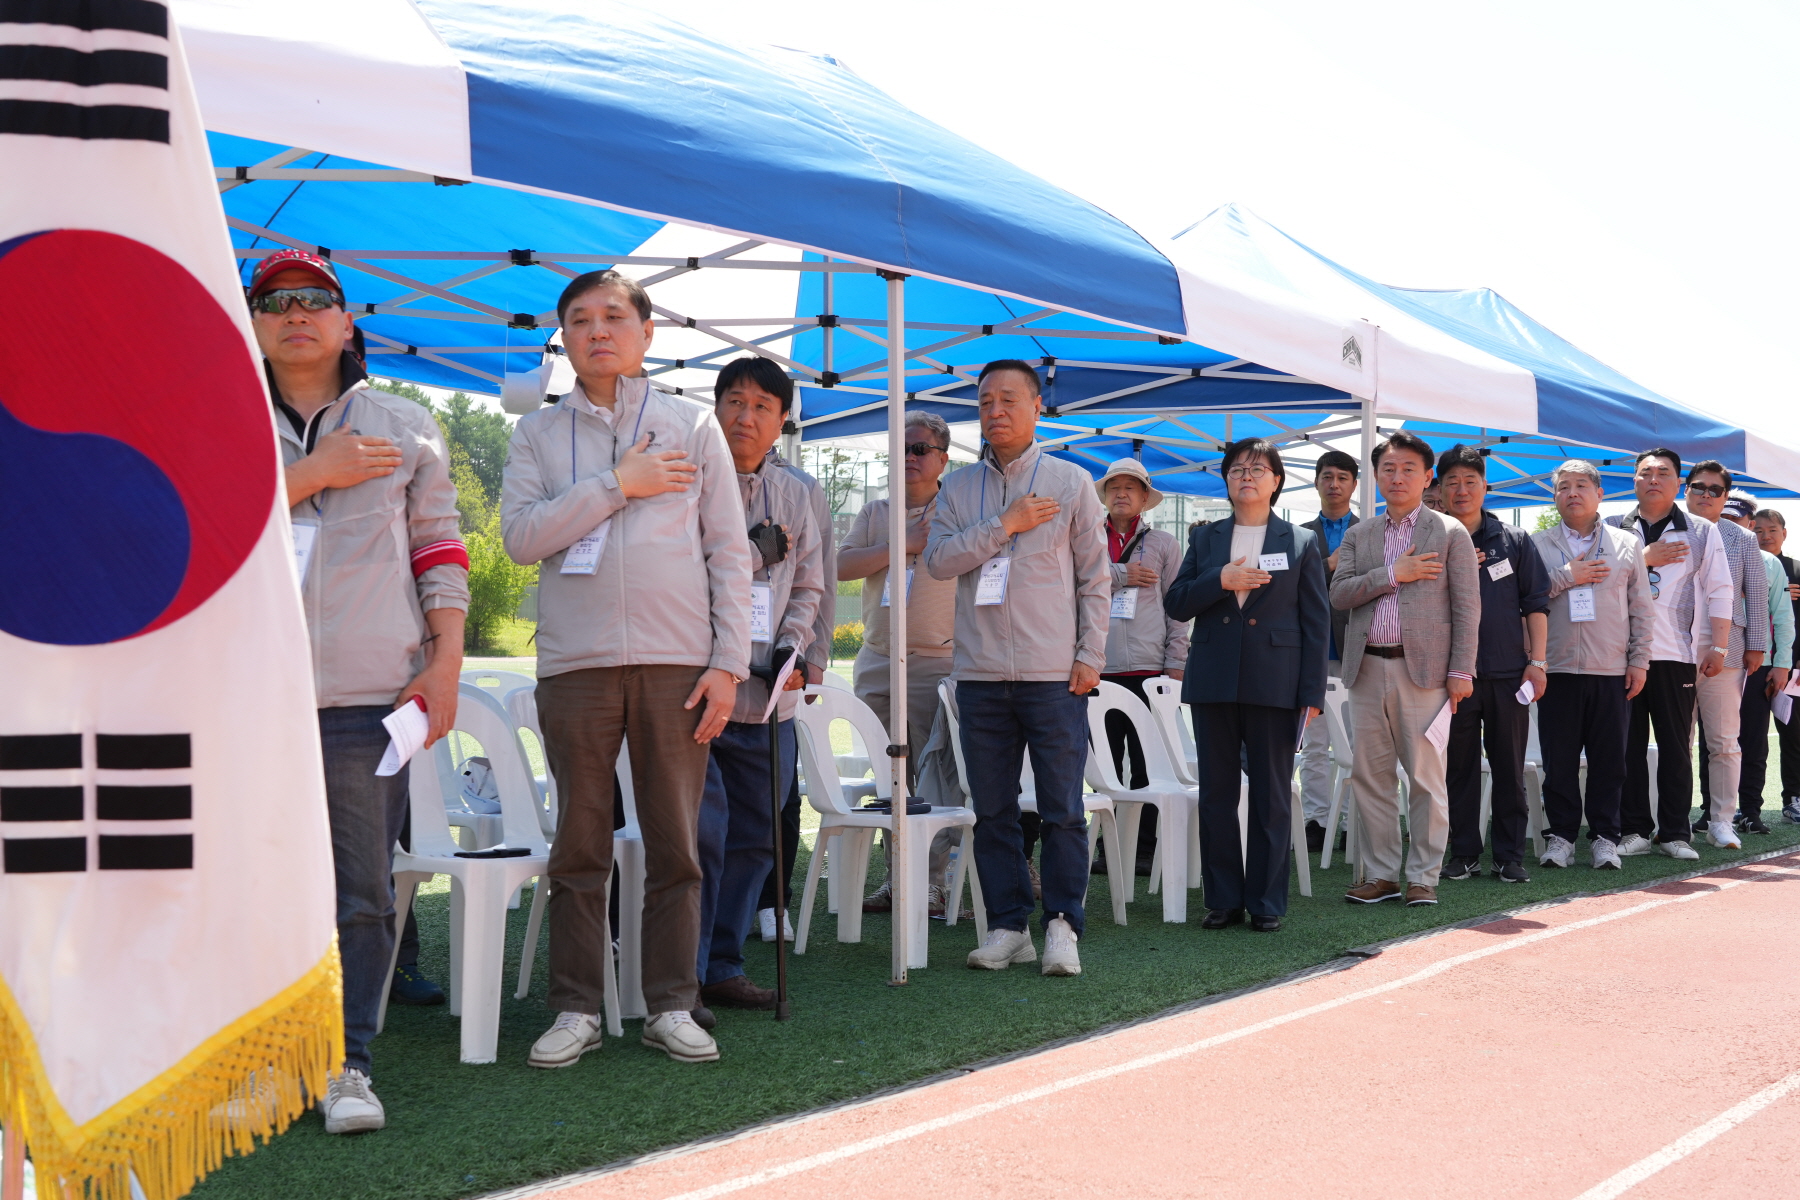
1539 663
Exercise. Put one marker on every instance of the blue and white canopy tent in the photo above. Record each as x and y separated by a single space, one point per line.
461 159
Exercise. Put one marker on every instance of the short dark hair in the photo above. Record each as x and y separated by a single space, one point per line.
758 372
1709 464
1012 364
1405 439
1340 460
581 285
1774 514
1261 447
1657 452
1460 455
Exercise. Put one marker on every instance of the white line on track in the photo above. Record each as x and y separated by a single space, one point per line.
1689 1142
977 1111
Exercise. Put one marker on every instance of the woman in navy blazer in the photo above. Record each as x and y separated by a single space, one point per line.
1254 586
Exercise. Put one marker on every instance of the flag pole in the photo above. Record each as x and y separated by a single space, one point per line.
900 845
12 1181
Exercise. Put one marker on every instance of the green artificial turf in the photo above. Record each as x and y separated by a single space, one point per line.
456 1130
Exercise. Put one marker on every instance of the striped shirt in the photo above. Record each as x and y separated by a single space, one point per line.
1384 628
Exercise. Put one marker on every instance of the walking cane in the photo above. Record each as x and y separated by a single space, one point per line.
777 798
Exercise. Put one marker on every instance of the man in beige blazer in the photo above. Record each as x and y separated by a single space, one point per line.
1408 579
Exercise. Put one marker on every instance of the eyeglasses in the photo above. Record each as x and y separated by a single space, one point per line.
1254 471
1706 489
312 299
1655 584
921 449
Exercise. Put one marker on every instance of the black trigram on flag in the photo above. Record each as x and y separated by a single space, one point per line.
88 69
45 778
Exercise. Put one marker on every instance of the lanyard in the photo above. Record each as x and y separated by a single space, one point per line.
1014 544
573 479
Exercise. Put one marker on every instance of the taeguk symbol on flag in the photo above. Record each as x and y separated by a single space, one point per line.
129 505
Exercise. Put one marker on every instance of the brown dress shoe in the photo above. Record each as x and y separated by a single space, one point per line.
737 992
1374 892
1419 894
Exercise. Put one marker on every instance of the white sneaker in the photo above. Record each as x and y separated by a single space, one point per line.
1002 948
350 1105
1557 852
563 1044
1060 956
1606 855
765 925
1677 850
1633 844
1722 835
675 1034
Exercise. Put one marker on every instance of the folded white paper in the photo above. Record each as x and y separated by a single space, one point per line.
1438 732
407 727
1525 696
1783 707
781 679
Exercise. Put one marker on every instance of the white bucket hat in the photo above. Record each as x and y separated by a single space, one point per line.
1135 469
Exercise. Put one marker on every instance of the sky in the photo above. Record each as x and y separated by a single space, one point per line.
1625 173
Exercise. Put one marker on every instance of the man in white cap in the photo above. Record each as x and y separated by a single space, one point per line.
1142 642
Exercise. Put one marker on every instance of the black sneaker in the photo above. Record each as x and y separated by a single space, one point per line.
410 986
1511 873
1462 868
1751 823
1315 837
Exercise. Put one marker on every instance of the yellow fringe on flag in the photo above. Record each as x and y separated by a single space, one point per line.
241 1086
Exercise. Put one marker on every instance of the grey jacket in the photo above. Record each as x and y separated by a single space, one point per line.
385 553
1058 590
1624 621
818 653
673 583
1150 641
1439 618
777 494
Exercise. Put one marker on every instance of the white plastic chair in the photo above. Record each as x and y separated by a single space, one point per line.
851 831
480 887
1102 820
1176 802
1177 734
1337 726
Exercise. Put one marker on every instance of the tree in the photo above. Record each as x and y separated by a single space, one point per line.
482 433
1548 519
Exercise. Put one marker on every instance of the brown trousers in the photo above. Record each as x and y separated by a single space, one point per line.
584 714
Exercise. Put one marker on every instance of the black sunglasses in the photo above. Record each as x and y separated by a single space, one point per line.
312 299
921 449
1707 489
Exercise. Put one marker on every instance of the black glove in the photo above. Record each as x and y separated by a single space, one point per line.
771 541
777 659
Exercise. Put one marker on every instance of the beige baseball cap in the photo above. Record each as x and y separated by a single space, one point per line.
1135 469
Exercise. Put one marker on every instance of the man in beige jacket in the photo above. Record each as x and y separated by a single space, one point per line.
1408 579
629 500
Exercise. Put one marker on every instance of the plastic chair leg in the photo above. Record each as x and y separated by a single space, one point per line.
1128 818
856 846
632 869
953 879
609 1002
830 849
1174 839
483 952
1154 884
976 901
459 903
809 894
406 886
540 897
1340 783
1534 807
1120 867
918 914
1297 826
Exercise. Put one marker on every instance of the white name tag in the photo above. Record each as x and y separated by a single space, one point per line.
583 558
306 534
762 616
1273 562
1500 570
889 580
1581 604
1124 604
991 587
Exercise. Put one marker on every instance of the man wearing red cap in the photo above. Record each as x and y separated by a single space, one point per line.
384 579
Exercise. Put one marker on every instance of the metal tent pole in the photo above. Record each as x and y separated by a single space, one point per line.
1366 492
900 847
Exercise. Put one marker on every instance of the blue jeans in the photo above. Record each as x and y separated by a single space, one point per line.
999 722
736 850
366 813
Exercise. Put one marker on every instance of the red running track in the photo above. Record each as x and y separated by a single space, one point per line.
1642 1044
